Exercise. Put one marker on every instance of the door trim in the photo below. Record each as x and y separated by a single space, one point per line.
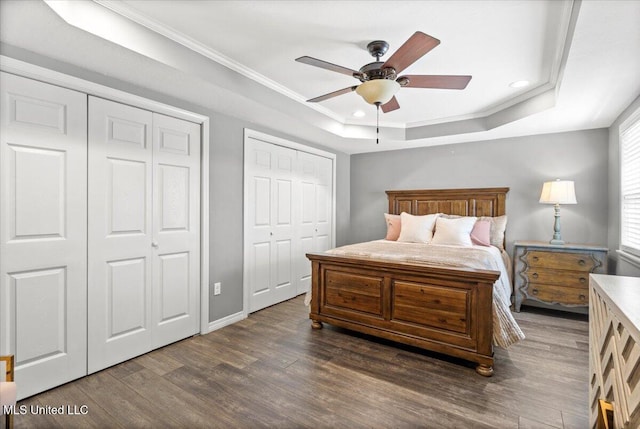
24 69
267 138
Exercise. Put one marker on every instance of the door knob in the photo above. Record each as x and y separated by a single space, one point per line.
155 244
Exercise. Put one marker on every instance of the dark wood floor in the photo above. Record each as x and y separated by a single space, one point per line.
272 370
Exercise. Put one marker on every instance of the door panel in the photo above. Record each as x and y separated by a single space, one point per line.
125 297
314 230
174 273
36 186
40 296
324 204
174 198
176 229
120 233
144 232
43 233
126 187
260 269
270 225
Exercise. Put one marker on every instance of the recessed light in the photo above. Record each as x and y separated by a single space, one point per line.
358 113
519 84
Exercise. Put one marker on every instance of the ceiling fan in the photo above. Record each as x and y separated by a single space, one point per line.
380 81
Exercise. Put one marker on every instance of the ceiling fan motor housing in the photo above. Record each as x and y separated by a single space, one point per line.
373 71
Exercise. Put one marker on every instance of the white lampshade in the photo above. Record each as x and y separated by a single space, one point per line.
378 90
558 192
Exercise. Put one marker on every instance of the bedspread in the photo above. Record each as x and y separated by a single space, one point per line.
506 331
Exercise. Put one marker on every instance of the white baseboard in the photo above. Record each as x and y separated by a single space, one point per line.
225 321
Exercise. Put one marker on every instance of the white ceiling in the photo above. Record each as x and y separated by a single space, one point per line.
582 59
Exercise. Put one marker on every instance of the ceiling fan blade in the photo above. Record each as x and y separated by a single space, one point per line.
417 45
325 65
437 81
390 105
333 94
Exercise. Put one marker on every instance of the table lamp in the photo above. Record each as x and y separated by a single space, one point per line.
558 192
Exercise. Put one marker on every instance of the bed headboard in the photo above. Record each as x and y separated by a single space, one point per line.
462 202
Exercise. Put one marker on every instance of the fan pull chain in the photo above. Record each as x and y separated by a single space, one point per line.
377 123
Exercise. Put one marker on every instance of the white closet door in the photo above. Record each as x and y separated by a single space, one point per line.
43 232
315 175
176 229
269 238
324 204
120 233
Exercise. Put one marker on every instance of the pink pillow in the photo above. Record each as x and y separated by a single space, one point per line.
481 233
393 226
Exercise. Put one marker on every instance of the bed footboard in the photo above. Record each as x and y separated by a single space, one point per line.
445 310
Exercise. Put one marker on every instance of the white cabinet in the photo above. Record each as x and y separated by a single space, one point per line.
99 235
614 350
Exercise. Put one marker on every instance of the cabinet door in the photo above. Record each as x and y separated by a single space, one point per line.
43 230
120 233
269 236
176 229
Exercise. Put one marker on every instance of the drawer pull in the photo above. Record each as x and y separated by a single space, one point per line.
534 275
583 280
535 259
582 297
535 291
581 262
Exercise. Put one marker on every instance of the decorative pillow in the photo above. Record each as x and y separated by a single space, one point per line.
393 226
416 229
498 226
481 233
454 231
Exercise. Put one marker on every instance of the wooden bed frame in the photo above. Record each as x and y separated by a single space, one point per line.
446 310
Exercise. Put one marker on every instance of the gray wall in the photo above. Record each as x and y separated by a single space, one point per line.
226 141
521 163
619 266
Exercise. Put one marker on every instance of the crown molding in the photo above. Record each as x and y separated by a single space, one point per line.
186 41
562 47
517 107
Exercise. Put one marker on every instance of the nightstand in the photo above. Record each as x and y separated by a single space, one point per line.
555 274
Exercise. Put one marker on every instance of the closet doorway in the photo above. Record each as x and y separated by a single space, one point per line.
289 210
71 211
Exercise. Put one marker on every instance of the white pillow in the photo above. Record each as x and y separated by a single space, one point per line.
455 232
416 229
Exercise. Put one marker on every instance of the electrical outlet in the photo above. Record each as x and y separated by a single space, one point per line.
216 288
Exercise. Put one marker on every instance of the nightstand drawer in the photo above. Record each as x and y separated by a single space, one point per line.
557 277
560 261
558 294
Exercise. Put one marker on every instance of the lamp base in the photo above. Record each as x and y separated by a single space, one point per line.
557 238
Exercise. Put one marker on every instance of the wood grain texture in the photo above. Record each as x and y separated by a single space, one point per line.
462 202
271 370
448 310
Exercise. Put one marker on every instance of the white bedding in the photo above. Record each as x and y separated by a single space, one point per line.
505 329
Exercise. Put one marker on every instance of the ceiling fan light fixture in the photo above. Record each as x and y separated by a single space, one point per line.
378 91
